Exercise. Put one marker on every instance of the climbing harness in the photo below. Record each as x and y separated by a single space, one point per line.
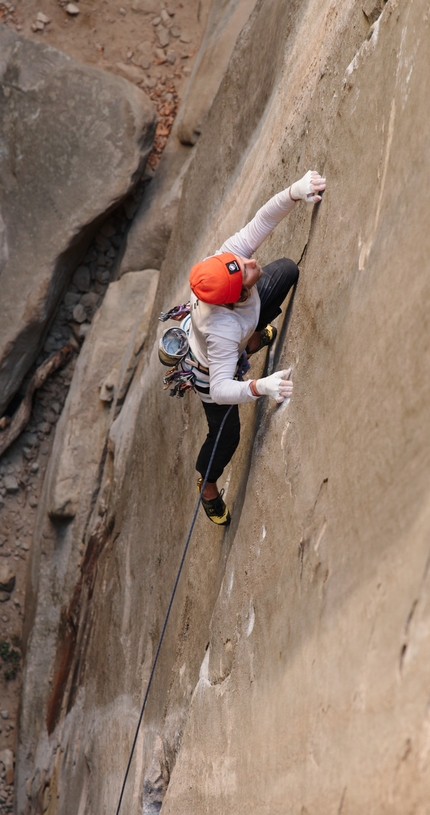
174 350
169 608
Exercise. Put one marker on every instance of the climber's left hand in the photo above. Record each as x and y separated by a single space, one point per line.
308 188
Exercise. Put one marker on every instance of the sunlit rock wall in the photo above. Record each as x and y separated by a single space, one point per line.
294 673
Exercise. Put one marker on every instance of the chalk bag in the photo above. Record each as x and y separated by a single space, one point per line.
173 346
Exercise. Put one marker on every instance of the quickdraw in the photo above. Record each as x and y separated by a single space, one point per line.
181 381
175 313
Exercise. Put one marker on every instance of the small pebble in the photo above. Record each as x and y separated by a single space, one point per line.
82 278
71 298
79 313
163 36
165 18
72 9
11 484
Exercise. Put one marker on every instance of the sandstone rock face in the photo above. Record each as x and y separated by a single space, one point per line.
149 234
74 140
226 20
73 485
105 367
152 225
294 672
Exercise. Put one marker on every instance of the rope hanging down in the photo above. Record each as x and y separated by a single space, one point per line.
169 608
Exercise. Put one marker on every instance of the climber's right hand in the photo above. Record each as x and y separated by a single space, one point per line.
278 386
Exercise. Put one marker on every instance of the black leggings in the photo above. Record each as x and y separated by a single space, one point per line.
277 280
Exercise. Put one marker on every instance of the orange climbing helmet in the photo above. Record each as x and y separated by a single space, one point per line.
217 279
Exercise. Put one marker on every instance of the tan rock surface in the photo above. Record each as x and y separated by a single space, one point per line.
150 231
293 677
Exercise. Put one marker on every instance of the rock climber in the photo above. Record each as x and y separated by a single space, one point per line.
233 302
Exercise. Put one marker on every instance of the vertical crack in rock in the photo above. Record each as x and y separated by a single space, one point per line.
342 801
73 627
156 780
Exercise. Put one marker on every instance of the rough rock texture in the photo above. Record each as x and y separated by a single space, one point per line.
145 244
294 673
226 20
74 140
73 486
147 239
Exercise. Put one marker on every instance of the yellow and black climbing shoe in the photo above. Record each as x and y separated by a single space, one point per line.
215 509
268 336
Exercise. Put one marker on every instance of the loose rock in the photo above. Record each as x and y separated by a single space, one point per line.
91 299
71 298
72 9
79 313
82 279
7 578
165 18
144 6
163 36
11 484
130 72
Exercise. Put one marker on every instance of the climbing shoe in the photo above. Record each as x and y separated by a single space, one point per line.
268 336
215 509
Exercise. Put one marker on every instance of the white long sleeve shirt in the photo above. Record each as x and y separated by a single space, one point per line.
218 334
